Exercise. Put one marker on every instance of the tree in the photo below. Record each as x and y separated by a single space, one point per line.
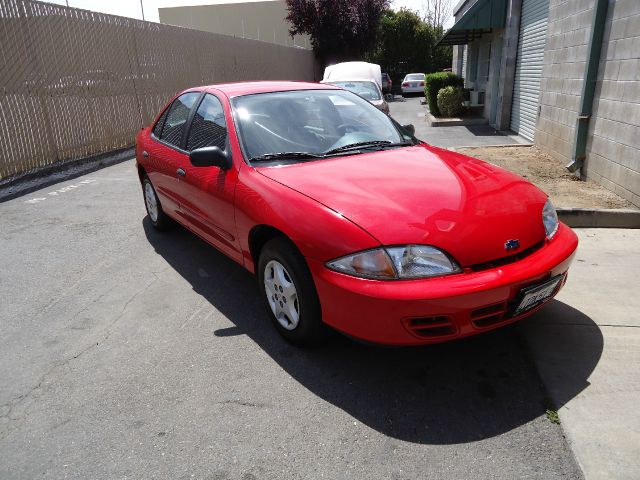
339 29
406 44
436 12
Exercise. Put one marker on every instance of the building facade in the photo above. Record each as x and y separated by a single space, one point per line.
564 74
262 20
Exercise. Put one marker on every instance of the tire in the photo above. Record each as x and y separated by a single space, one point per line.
306 328
158 218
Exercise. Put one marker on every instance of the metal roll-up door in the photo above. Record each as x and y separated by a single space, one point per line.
529 61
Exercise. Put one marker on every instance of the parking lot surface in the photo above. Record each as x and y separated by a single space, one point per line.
409 110
126 353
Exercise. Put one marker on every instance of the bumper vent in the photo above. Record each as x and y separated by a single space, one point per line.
491 315
431 327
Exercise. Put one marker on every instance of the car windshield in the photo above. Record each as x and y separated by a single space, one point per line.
309 124
415 76
367 90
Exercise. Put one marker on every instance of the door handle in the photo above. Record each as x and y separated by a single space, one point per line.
181 172
145 153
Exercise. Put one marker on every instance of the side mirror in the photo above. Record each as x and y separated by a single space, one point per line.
410 128
210 157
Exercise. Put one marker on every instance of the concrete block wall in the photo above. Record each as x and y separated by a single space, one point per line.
562 75
613 149
613 157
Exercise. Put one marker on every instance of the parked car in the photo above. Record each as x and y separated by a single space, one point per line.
367 89
387 83
353 70
349 221
413 83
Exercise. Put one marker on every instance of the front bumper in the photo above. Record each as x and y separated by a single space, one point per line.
414 312
412 89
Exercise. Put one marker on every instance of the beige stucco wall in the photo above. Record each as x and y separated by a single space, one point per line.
613 148
264 21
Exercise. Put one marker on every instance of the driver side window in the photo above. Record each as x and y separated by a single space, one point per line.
209 128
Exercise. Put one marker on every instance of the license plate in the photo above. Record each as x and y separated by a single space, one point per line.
531 297
414 84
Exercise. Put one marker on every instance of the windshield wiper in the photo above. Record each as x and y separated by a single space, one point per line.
286 156
373 143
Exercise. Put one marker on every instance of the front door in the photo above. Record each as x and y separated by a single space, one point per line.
208 192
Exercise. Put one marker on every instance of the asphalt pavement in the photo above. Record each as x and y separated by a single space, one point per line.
127 353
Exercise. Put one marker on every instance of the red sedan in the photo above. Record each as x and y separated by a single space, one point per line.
347 219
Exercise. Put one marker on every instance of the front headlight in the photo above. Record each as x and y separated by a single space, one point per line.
549 219
389 263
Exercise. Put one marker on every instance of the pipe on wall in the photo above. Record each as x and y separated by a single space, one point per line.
589 85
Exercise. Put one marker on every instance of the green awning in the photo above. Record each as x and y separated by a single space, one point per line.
481 18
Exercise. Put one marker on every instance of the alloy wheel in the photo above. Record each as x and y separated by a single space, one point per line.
282 295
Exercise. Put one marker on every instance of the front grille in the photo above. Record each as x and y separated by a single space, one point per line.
499 262
431 327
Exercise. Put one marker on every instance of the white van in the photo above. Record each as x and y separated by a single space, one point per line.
361 78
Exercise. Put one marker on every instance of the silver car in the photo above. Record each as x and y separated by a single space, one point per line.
413 83
367 89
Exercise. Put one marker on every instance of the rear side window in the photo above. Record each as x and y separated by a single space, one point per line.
209 128
176 120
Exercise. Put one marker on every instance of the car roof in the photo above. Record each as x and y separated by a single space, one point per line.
249 88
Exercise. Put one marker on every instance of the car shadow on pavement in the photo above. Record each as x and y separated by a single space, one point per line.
441 394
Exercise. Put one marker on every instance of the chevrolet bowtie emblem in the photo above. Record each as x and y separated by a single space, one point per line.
511 244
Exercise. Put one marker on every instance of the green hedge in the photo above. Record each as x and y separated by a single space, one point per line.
433 82
450 101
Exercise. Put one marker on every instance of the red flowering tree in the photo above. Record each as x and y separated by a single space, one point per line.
339 29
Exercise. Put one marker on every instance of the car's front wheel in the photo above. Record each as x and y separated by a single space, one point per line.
289 293
158 218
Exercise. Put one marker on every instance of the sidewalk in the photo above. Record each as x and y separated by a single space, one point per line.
409 110
592 331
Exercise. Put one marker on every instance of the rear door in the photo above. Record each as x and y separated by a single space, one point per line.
207 203
166 152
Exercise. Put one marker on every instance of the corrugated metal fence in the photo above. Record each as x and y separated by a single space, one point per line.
75 83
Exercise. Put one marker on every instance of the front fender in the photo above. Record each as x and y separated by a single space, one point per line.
319 233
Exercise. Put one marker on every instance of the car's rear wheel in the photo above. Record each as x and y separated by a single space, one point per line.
289 293
158 218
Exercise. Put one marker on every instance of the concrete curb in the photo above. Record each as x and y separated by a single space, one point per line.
23 184
599 218
454 122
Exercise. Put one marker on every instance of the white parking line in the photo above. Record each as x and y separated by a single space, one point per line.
62 190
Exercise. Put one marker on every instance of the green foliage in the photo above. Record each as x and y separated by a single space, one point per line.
434 82
450 101
339 29
405 44
553 416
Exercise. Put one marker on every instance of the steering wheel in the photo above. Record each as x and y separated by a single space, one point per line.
345 128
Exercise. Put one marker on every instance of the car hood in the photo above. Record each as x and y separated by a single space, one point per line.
425 195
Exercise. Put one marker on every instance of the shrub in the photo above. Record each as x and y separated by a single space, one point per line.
450 101
433 82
